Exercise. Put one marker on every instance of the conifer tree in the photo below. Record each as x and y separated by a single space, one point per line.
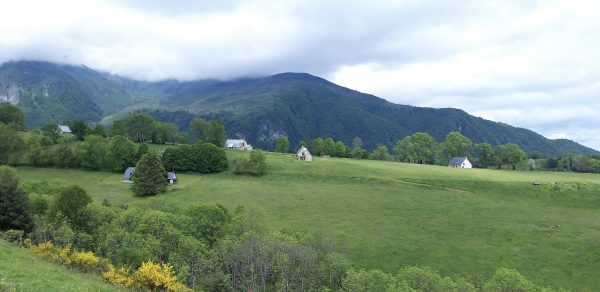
150 177
14 212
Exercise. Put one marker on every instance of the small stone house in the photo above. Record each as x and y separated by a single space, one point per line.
238 144
460 162
304 154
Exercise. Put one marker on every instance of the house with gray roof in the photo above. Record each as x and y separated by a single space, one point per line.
238 144
64 129
460 162
128 173
303 154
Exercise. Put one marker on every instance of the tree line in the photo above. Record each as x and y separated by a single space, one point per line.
202 246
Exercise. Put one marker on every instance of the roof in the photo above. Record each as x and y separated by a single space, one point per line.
171 175
457 160
128 172
64 129
235 142
301 151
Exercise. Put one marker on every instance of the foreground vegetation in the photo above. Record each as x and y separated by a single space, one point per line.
462 223
20 270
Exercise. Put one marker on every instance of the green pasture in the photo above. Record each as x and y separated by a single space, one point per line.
461 222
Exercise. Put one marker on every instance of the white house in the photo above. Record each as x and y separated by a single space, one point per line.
303 154
64 129
460 162
238 144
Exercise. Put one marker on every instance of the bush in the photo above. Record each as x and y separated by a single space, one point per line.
508 280
85 259
256 165
151 276
14 236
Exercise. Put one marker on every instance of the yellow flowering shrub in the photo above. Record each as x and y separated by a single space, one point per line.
118 276
85 259
64 255
153 276
46 250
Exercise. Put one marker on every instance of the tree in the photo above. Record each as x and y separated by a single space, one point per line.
93 152
215 133
456 145
317 146
328 147
512 154
283 144
416 148
14 210
302 144
486 155
150 177
380 153
79 129
340 149
509 280
12 115
208 158
51 130
198 129
257 164
142 149
357 143
72 203
357 151
99 130
140 127
11 143
121 153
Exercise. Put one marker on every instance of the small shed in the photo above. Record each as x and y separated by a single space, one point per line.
171 177
460 162
238 144
304 154
64 129
128 173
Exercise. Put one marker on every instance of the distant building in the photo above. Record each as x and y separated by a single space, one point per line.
64 129
238 144
460 162
171 176
303 154
128 173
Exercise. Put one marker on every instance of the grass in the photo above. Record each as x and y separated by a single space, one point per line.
460 222
20 270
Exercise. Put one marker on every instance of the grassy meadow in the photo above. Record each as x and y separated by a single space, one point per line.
21 270
461 222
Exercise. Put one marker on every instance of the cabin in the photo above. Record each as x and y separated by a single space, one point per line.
238 144
128 173
303 154
460 162
171 177
64 129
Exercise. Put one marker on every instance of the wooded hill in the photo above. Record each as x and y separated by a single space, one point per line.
298 105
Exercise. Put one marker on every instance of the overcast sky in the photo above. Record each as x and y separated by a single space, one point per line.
533 64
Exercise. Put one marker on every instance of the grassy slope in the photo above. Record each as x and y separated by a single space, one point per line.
21 270
460 222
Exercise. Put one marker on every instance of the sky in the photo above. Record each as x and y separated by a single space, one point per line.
531 64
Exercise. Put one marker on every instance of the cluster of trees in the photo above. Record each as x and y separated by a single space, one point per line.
143 128
576 163
255 165
199 157
206 247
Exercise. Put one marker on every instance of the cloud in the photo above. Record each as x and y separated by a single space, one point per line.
529 64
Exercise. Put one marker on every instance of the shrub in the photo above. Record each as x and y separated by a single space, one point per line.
119 276
256 165
46 250
508 280
14 236
151 276
85 259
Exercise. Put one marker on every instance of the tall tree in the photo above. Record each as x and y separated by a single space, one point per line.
215 133
416 148
11 144
72 203
140 127
198 129
380 153
79 129
150 177
14 210
357 151
457 145
283 144
328 146
141 150
121 153
512 154
93 152
317 146
340 149
12 115
486 156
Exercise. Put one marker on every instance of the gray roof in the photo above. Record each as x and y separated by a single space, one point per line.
236 143
64 129
128 172
171 175
457 161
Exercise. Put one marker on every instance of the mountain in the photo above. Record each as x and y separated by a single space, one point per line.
298 105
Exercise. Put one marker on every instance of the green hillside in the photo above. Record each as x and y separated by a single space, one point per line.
298 105
460 222
21 270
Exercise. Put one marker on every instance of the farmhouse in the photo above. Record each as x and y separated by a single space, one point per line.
171 176
64 129
460 162
303 154
238 144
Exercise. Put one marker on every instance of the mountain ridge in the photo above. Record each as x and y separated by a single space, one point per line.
298 105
